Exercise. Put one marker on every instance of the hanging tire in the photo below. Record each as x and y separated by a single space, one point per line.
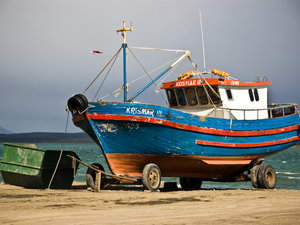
78 103
190 183
151 177
90 176
254 177
266 177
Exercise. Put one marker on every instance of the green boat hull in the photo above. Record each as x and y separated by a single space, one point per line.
27 166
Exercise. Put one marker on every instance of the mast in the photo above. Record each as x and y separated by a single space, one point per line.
124 46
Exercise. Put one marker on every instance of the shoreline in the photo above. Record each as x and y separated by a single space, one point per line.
134 206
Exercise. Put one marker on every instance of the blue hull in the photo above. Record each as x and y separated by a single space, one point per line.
130 130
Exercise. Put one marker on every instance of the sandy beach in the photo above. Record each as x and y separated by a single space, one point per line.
133 206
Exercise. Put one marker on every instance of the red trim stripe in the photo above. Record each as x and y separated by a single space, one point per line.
79 118
211 81
191 127
246 145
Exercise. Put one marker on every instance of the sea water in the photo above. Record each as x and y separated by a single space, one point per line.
286 164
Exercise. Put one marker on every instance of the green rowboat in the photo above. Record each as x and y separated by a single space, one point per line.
27 166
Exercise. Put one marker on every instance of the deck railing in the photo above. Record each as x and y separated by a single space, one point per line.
273 111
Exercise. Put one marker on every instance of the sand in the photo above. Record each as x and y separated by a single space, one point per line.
133 206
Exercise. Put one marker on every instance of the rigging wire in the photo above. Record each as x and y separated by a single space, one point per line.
117 53
106 75
170 72
147 73
200 74
133 81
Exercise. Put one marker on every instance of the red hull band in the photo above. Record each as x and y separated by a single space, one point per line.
177 165
188 127
79 118
246 145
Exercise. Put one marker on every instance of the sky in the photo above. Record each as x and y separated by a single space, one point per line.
45 50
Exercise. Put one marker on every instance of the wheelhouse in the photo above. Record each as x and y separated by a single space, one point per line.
224 98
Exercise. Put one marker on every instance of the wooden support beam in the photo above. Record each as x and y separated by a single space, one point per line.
121 179
98 182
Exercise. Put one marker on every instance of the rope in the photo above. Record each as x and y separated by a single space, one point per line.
106 75
169 73
117 53
61 152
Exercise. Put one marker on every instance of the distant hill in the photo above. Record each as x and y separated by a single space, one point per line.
46 137
5 131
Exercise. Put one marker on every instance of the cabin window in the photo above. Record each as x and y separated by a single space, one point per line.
215 98
229 94
172 98
180 96
251 95
191 96
202 95
256 95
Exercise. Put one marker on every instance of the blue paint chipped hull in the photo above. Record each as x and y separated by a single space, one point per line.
131 130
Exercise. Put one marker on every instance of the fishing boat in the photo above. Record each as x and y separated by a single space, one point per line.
214 128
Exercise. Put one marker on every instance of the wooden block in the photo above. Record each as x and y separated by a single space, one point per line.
98 182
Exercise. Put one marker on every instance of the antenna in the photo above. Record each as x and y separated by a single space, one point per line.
203 50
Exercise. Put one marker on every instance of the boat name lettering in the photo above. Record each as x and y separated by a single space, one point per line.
187 83
139 111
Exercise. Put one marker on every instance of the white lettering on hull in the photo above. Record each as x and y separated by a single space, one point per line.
140 111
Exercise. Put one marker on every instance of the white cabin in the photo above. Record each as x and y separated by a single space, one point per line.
213 97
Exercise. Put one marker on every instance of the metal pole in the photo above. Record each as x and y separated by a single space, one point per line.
202 39
124 46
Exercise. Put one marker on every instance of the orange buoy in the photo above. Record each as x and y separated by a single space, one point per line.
220 72
186 75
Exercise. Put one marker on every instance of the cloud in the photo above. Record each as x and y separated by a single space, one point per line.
45 48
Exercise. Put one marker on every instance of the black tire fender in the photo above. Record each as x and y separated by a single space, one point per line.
77 103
